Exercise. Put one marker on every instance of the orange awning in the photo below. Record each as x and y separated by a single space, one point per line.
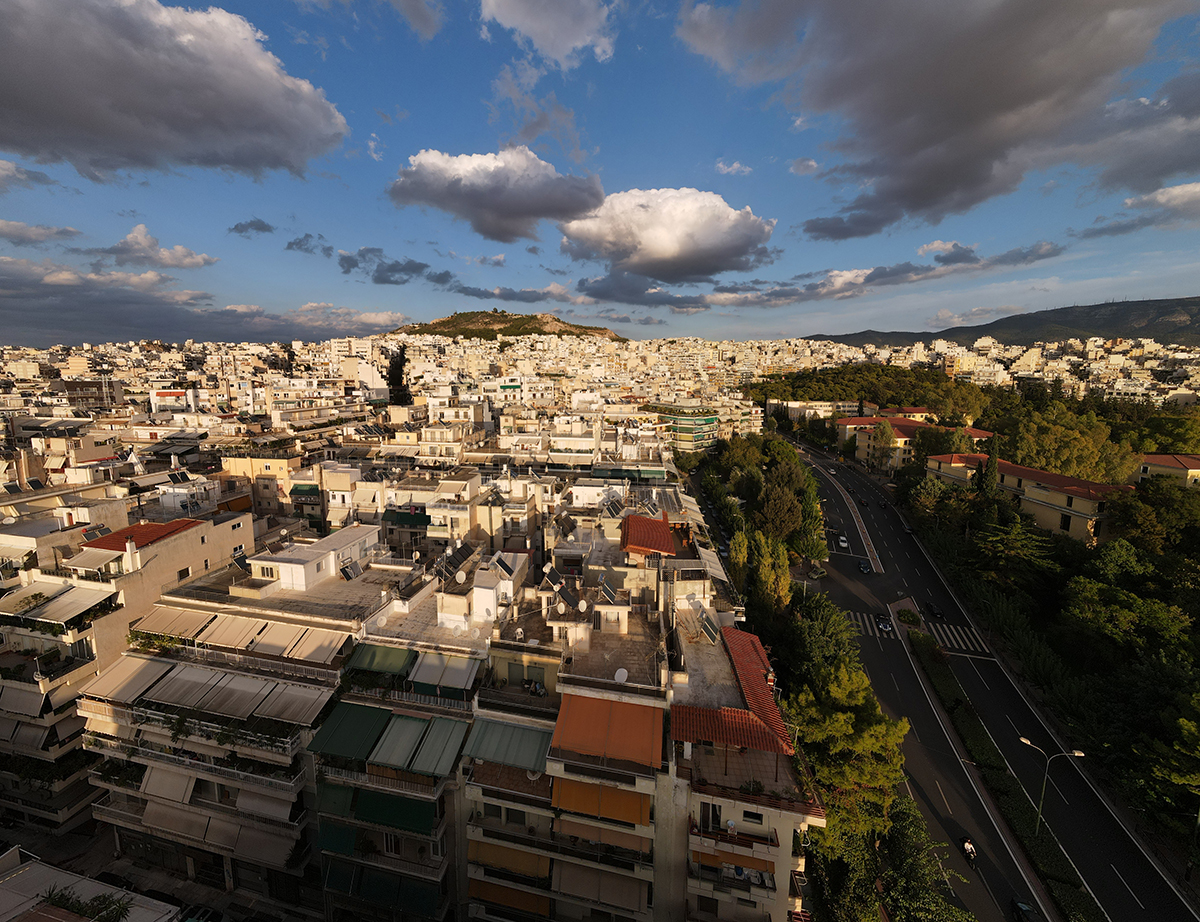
609 729
601 801
514 899
742 861
508 859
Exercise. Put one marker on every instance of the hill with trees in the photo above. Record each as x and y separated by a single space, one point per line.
491 325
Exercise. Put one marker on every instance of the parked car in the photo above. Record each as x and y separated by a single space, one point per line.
1024 912
816 573
864 566
884 622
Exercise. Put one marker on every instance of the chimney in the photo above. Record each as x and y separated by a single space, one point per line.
131 560
664 515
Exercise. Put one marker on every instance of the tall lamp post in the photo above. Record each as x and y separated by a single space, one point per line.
1075 753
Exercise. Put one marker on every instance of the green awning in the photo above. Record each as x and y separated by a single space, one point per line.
509 744
339 876
399 742
376 658
305 489
406 519
380 887
350 732
334 798
417 816
334 837
439 750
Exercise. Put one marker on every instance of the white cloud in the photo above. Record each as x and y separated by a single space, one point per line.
1182 200
735 168
670 234
32 234
137 85
502 195
946 318
557 29
803 166
139 248
426 17
936 246
12 175
375 148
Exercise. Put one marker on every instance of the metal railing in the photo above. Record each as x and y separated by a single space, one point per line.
99 744
739 839
243 739
611 855
362 779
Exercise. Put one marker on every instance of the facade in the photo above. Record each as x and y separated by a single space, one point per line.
1183 468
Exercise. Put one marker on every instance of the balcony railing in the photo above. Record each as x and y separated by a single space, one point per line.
100 744
738 839
404 866
362 779
727 881
610 855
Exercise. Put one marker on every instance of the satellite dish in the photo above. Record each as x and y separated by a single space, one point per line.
416 556
621 675
460 577
583 605
532 775
474 633
382 622
10 520
456 630
283 532
562 608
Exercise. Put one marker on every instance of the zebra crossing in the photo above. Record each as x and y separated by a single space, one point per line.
866 624
956 637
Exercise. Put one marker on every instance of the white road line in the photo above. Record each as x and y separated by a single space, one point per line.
1013 725
894 682
980 674
943 793
1127 887
1060 793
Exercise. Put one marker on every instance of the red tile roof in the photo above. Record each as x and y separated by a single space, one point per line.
751 665
1182 462
142 535
731 727
643 535
1060 483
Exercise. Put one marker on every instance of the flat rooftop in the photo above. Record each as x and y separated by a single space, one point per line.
636 652
711 680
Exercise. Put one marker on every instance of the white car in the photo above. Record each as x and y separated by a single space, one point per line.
843 543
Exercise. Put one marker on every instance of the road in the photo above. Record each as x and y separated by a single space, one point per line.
1118 872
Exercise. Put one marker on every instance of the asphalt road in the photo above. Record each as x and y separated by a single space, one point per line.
1112 863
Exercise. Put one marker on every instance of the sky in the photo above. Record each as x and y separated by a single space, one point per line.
305 169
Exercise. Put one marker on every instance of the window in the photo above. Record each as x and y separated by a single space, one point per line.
239 548
266 467
235 526
1070 501
1064 523
755 818
184 573
612 617
707 904
268 572
206 563
204 539
491 811
515 816
1145 469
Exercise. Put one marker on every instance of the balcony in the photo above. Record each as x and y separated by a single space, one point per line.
380 783
703 881
612 856
434 872
738 843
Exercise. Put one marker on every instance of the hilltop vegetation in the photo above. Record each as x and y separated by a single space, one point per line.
491 325
1168 321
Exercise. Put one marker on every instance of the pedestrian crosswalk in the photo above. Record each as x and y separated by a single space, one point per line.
956 637
866 624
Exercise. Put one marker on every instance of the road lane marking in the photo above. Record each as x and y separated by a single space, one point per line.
1127 887
1060 793
981 678
894 682
943 793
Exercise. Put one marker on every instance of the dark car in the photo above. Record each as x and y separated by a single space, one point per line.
864 566
865 502
933 611
1024 912
883 504
884 622
849 489
908 529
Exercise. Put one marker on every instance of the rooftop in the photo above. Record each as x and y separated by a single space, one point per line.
143 535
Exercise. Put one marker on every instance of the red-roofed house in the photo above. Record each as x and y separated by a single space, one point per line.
1184 468
1061 505
904 429
642 536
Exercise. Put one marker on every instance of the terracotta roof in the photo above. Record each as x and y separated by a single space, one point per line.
905 428
1182 462
142 535
751 665
643 535
1060 483
731 727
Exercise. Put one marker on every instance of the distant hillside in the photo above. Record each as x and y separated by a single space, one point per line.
491 325
1172 320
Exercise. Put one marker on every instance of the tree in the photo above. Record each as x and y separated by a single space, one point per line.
769 585
990 481
781 512
914 882
688 461
739 552
398 393
883 440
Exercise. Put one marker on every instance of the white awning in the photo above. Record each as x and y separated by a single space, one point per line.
460 672
186 686
8 727
263 805
237 696
92 558
263 847
317 646
169 785
364 497
108 728
126 679
176 622
277 639
24 701
223 833
75 601
8 552
231 631
175 820
30 736
296 704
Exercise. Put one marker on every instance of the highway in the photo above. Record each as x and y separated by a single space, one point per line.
1126 883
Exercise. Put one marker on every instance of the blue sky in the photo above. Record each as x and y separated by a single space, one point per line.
768 168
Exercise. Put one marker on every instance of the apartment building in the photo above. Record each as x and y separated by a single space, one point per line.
1182 468
1060 505
904 430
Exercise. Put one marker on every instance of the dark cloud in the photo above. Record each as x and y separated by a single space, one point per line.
136 85
640 290
380 269
253 226
943 112
502 195
21 234
651 321
1171 206
1123 226
957 255
492 262
12 176
673 235
552 292
140 248
533 250
397 272
314 246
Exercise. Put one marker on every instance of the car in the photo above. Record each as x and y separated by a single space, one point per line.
864 566
816 573
864 501
884 623
833 470
849 489
908 529
843 543
1025 912
883 504
933 611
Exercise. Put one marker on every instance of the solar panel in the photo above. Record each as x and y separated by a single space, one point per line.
173 477
610 594
103 530
242 562
35 484
710 629
652 508
12 487
184 477
351 570
555 578
504 566
568 597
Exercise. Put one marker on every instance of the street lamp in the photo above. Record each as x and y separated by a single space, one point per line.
1075 753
